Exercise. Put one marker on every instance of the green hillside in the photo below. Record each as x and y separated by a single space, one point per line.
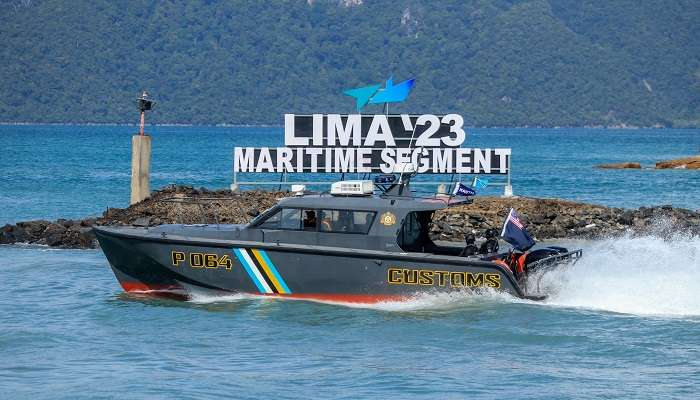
497 62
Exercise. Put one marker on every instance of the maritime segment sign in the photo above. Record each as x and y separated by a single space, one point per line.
367 160
332 143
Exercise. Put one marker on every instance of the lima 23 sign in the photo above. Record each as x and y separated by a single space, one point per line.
372 143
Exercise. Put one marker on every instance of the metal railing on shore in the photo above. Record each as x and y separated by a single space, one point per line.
442 186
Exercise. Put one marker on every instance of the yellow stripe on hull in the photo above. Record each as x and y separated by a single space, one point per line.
268 272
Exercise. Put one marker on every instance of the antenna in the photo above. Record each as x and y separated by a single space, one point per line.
410 148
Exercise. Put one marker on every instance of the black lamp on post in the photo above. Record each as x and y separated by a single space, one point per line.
145 104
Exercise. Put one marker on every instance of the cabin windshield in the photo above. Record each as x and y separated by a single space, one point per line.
414 235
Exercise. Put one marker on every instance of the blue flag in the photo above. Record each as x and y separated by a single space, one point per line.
463 190
515 233
480 183
385 178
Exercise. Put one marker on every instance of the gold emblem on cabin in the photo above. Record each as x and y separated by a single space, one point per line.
387 219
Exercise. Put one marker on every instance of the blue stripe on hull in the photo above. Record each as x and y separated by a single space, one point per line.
263 253
248 269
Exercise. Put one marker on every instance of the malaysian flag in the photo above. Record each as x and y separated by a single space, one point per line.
515 233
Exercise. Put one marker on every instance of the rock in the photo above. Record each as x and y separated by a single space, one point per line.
7 235
623 165
538 219
65 222
680 163
53 235
34 228
626 218
477 218
88 222
87 238
551 232
446 228
565 222
142 221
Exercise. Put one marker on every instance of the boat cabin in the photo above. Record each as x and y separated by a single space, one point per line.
375 222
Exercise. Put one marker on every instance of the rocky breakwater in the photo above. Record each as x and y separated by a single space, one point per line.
172 204
562 219
546 218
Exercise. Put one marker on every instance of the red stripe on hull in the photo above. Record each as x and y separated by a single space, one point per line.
164 291
173 291
142 287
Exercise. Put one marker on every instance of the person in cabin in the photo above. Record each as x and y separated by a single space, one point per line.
490 245
309 220
327 224
470 248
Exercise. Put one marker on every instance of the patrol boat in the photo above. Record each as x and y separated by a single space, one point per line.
358 243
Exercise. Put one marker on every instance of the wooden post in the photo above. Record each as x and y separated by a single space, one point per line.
143 122
140 167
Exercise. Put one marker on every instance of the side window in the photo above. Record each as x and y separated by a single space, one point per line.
291 218
345 221
272 222
363 220
286 218
309 221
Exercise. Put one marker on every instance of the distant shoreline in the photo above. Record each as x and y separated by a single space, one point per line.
615 127
124 124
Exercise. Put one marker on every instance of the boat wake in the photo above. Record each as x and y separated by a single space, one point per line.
647 275
444 301
205 298
438 301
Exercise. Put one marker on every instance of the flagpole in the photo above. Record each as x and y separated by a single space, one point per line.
503 231
449 199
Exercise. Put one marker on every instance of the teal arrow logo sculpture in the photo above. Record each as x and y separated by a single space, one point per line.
375 95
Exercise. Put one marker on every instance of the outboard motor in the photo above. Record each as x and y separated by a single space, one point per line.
524 263
532 257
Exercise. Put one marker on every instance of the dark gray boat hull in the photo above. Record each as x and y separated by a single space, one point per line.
152 262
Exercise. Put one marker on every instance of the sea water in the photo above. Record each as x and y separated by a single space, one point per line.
71 171
624 322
